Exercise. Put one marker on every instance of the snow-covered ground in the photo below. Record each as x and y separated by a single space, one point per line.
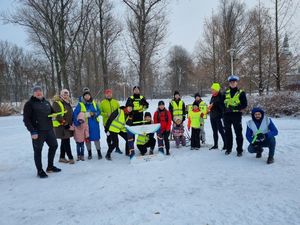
189 187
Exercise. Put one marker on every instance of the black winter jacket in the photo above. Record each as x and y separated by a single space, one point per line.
217 108
35 115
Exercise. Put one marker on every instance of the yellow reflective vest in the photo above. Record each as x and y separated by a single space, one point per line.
83 108
136 103
118 124
232 101
142 139
55 122
177 109
196 120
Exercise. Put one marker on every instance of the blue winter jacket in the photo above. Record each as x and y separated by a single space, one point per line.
272 128
94 128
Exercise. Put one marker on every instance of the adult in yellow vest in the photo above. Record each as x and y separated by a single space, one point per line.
91 110
177 107
116 126
61 124
235 102
139 105
107 107
145 141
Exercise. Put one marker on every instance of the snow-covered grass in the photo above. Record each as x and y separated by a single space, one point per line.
189 187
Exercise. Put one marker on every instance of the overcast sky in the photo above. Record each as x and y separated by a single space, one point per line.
186 18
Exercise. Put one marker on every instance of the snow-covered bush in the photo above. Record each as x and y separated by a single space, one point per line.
277 104
6 109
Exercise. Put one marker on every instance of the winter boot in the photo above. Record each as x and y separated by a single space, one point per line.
227 152
108 157
214 147
52 169
90 154
258 155
78 158
63 160
168 152
118 151
72 161
270 160
42 174
239 154
161 150
132 154
151 152
99 154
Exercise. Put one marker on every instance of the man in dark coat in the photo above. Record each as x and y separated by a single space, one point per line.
37 122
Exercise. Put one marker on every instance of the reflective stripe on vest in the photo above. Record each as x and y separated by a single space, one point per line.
263 128
83 109
203 109
232 101
56 123
136 103
196 119
142 139
177 109
118 124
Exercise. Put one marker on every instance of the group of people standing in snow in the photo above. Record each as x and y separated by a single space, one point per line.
48 123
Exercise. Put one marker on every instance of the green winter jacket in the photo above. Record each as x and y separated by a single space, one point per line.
107 107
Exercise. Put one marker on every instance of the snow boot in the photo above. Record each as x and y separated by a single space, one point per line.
214 147
227 152
99 154
239 154
63 160
82 158
118 151
151 152
72 161
90 154
132 154
42 174
270 160
108 157
52 169
168 152
78 158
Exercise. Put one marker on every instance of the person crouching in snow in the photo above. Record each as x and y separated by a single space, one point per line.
261 132
81 134
145 141
195 120
178 132
115 126
163 116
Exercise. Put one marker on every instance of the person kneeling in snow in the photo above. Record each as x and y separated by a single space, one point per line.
145 141
178 132
261 132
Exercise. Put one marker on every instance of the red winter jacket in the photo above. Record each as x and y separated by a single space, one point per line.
164 118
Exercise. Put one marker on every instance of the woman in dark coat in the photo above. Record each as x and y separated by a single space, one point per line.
62 125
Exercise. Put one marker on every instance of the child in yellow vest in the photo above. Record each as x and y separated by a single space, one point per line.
196 122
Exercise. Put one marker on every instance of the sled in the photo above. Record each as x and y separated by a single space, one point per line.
143 129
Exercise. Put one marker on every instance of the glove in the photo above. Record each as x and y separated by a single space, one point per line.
87 140
67 126
107 133
260 137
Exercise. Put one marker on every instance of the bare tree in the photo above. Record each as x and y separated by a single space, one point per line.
147 29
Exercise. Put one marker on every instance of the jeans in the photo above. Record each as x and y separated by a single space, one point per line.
80 148
268 143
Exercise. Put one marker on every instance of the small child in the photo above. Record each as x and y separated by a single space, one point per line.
178 132
81 134
195 120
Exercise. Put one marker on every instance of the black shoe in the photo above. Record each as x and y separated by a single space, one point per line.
151 152
224 147
213 147
118 151
270 160
108 157
239 154
42 174
258 155
99 154
168 152
227 152
52 169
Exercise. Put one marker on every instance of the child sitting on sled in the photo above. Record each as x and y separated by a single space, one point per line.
178 132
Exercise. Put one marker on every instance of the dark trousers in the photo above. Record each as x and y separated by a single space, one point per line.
109 141
163 138
217 126
236 122
115 141
65 148
80 148
268 143
195 138
150 144
50 138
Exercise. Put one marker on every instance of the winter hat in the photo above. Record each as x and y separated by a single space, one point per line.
108 91
196 103
233 78
197 95
161 103
136 87
37 88
86 91
129 104
216 87
176 93
176 118
147 114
